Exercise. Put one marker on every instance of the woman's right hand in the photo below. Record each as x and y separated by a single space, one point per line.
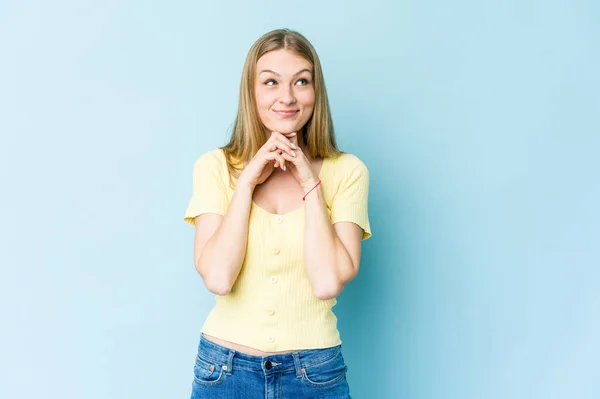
267 159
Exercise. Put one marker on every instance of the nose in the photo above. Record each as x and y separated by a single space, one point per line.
287 95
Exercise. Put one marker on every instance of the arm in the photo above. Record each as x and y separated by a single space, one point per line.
331 254
222 229
220 243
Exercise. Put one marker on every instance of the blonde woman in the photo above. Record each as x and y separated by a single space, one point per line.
279 216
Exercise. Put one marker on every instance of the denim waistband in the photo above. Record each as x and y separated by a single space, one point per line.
285 362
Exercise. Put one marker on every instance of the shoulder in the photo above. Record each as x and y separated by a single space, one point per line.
213 156
346 165
213 159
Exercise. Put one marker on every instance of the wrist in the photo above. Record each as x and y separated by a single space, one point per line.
309 184
312 190
244 187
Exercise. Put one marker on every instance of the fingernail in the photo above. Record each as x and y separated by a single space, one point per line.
294 147
284 168
293 153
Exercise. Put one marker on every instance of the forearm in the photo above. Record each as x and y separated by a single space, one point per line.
328 265
223 255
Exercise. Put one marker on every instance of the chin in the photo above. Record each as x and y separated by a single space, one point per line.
284 128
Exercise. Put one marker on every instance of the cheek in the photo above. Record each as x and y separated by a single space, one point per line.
307 99
264 99
309 109
262 104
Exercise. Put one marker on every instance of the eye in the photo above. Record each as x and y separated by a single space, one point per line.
302 82
270 82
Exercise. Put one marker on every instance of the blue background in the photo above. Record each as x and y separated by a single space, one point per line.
479 122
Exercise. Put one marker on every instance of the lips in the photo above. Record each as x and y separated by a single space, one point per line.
285 113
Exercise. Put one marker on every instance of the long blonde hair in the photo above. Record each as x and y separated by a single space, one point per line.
248 134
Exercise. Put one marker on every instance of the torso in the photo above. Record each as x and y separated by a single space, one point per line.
279 194
240 348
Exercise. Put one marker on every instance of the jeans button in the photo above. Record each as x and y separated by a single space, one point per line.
268 365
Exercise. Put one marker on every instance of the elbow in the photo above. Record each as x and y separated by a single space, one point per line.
219 290
333 287
217 286
328 291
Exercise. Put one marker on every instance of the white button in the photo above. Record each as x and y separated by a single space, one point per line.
271 312
275 250
273 279
271 339
224 367
279 219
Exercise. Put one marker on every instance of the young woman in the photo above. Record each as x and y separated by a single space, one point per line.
279 216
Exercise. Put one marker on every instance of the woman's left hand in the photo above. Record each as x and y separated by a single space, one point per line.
299 165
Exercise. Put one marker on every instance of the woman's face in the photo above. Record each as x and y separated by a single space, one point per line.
284 91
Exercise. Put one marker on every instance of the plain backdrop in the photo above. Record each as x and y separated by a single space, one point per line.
478 120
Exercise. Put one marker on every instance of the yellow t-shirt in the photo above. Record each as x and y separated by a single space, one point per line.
272 306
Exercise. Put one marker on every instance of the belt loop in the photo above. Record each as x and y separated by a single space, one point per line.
297 364
230 361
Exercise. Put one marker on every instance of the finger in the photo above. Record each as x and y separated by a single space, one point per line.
270 144
289 135
292 137
291 159
289 138
285 138
278 164
276 158
280 146
273 145
281 162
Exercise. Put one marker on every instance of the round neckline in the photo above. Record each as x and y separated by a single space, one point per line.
301 207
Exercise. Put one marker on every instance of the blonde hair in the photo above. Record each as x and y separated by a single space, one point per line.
248 134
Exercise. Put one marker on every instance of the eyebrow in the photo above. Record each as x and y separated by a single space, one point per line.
275 73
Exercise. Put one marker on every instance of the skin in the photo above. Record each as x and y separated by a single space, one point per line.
284 83
276 179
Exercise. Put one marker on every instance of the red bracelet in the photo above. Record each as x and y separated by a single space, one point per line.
303 198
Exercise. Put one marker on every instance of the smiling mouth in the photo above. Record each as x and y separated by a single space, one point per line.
285 114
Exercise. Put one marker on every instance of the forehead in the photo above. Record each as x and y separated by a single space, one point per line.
283 62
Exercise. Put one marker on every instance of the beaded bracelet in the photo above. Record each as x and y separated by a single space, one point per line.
303 198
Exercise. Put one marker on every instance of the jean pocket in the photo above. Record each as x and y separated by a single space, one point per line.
207 371
326 373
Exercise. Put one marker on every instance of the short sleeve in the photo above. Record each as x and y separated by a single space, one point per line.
208 194
350 202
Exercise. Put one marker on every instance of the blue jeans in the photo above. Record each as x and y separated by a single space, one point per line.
223 373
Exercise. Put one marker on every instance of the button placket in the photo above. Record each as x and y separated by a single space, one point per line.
274 268
275 244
